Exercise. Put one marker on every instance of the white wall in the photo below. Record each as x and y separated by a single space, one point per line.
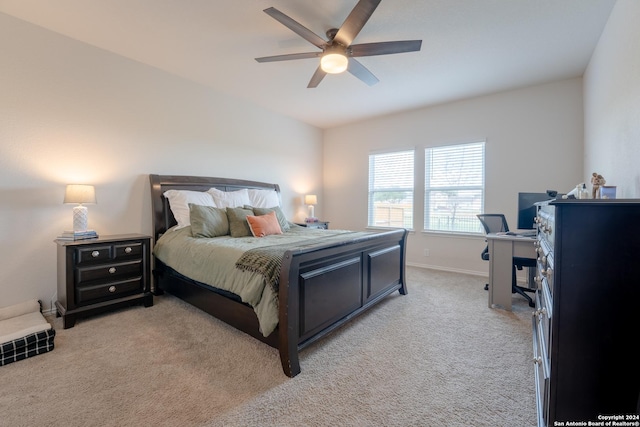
71 113
534 140
612 102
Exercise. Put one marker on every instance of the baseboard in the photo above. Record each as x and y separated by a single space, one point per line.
51 311
451 270
521 281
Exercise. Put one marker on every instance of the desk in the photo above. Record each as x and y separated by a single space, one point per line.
502 249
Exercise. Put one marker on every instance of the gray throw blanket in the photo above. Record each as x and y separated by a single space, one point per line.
267 261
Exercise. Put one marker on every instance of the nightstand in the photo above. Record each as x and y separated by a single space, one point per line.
324 225
97 275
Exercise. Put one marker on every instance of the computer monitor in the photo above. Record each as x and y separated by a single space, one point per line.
527 208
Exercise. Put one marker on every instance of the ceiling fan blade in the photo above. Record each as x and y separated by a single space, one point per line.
289 56
385 48
361 72
316 78
355 21
296 27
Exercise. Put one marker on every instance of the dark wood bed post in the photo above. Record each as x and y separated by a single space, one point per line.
403 262
288 315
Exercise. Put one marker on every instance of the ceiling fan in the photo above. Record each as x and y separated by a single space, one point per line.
338 54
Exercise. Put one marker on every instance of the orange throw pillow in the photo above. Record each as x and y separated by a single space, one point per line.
264 225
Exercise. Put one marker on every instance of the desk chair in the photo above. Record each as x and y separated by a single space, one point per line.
497 223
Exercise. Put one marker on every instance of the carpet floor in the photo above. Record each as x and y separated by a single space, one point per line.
435 357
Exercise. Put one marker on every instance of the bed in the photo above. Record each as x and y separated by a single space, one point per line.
319 287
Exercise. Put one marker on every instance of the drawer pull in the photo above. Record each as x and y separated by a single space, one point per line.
539 313
95 254
112 270
127 250
112 289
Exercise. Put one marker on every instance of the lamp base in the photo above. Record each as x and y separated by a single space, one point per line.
80 218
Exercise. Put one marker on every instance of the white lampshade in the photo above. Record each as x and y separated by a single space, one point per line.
78 193
311 199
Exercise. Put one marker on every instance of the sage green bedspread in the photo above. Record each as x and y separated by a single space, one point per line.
213 261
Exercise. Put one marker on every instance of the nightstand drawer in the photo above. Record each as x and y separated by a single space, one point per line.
93 254
108 272
129 250
107 291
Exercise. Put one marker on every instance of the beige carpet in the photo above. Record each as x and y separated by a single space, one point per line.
436 357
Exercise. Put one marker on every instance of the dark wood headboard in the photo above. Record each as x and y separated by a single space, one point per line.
163 217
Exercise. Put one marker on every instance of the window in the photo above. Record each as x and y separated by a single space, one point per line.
454 187
391 189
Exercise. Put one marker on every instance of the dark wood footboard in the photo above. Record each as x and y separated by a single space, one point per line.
322 288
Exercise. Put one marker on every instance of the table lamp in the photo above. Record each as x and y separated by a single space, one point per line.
80 194
311 200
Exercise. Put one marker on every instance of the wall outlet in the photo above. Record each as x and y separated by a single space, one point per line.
426 252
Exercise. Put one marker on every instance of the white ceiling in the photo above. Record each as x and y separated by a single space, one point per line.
469 47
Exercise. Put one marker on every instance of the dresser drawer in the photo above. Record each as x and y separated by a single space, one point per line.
108 272
105 291
543 318
547 225
541 382
545 265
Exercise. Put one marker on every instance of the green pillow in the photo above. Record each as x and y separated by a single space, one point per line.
238 225
207 221
282 220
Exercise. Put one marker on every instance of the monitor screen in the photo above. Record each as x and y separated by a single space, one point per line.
527 208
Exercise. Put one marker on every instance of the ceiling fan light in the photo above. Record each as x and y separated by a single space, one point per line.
334 63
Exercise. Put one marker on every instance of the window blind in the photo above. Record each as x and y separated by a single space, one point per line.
454 187
391 181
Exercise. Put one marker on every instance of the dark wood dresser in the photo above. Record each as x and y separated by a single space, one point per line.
102 274
586 322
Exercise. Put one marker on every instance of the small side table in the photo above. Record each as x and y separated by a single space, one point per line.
97 275
323 225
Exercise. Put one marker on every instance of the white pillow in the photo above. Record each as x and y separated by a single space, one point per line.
179 202
229 199
263 198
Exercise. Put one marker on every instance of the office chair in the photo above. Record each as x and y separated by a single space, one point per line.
497 223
